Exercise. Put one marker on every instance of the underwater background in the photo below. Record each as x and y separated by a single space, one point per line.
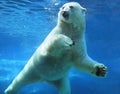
25 23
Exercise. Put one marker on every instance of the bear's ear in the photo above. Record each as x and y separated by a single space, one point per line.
84 10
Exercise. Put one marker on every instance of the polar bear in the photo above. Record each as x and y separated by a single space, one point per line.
62 49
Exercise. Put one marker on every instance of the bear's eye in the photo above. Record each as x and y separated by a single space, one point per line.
71 7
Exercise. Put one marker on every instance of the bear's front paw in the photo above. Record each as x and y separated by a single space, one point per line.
100 70
68 42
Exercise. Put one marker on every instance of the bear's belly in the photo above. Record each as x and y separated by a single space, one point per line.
50 68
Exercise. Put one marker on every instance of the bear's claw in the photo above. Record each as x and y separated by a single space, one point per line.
72 43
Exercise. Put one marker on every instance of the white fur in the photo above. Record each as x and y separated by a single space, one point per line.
62 49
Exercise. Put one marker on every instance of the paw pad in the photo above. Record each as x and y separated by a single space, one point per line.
100 70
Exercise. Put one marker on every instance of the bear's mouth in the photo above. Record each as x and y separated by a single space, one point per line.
65 14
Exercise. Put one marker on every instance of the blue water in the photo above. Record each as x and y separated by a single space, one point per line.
25 23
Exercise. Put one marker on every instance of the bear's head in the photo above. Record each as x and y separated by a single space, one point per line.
71 12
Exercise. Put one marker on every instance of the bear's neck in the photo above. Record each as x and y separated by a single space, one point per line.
72 30
80 26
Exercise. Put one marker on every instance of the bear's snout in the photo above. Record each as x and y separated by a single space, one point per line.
65 14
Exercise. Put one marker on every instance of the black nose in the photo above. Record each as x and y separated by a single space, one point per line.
65 14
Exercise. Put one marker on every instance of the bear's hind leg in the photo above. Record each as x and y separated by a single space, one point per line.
62 85
21 80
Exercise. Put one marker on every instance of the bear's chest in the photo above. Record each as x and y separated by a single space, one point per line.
52 68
